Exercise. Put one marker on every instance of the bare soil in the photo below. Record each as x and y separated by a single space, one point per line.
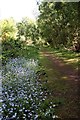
68 76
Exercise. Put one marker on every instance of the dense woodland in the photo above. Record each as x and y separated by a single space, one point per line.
57 25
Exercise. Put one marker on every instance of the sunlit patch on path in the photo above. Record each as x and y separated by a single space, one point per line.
64 84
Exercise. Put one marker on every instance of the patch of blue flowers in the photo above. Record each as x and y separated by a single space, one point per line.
23 95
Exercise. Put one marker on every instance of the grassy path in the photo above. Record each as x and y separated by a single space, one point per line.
63 83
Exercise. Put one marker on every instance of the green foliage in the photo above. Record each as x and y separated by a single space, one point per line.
12 45
8 29
29 52
15 48
28 29
58 22
10 48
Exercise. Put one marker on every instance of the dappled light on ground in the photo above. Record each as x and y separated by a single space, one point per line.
69 61
63 83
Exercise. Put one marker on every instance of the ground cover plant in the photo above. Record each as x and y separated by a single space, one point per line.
14 47
23 95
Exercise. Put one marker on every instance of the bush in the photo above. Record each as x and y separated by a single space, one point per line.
10 48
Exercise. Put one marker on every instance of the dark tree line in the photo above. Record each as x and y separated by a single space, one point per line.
59 23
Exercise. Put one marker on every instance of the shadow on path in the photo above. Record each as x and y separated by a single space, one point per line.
63 81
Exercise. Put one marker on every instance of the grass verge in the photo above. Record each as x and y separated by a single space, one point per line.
68 57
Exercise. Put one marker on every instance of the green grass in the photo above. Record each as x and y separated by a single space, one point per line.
12 50
57 83
54 79
68 57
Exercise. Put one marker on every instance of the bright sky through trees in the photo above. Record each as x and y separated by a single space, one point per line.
18 9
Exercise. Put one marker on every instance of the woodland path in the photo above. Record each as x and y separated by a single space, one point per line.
68 78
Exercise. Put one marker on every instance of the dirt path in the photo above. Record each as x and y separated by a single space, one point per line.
68 79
